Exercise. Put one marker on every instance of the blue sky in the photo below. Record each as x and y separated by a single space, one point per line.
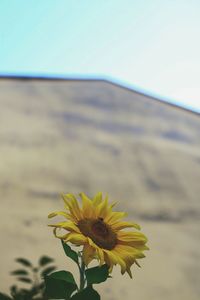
150 45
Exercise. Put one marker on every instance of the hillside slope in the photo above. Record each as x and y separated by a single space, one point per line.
59 136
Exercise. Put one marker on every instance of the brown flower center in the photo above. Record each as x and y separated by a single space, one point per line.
99 232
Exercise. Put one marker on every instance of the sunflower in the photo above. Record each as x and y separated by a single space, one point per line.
99 229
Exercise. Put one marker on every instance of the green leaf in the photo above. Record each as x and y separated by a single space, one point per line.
47 271
24 262
4 297
60 285
70 253
13 290
97 274
35 270
44 260
19 272
33 292
41 285
63 275
87 294
24 279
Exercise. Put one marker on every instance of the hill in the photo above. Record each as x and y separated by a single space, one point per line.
71 136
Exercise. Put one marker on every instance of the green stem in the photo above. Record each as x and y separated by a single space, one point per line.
82 274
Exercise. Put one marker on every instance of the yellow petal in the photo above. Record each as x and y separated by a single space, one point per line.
140 245
113 204
136 262
87 208
58 213
103 209
88 254
98 250
111 259
124 249
113 217
128 270
76 238
129 262
101 256
114 259
128 255
110 269
128 252
131 236
66 225
63 236
73 206
121 225
97 199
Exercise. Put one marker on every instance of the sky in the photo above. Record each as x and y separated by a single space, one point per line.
149 45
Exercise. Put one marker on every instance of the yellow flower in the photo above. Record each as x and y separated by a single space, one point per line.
100 230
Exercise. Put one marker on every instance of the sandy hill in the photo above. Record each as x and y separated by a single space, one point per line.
72 135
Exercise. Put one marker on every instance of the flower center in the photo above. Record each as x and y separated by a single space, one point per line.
99 232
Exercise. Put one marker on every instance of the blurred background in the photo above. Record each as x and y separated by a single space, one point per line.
103 97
